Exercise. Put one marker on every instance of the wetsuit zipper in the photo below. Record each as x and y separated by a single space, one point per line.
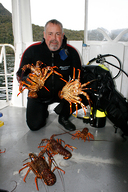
53 75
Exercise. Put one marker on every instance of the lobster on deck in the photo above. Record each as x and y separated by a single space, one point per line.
84 134
55 147
41 168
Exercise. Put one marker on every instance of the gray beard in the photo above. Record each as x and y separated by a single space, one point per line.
54 48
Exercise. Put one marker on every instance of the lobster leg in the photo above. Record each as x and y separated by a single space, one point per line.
50 158
76 109
73 73
2 151
83 107
48 75
43 140
36 183
78 74
69 146
21 91
88 98
58 169
85 138
90 135
23 168
59 141
46 89
26 175
85 84
57 73
63 80
70 107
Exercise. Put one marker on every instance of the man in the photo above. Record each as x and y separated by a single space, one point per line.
52 51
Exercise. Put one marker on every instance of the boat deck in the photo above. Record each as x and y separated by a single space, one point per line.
96 166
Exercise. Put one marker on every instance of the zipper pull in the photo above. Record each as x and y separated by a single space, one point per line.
52 59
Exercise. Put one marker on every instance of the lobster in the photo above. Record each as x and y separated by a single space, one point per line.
72 90
41 168
55 147
83 134
36 79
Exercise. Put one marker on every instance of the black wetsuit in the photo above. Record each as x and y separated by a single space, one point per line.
64 59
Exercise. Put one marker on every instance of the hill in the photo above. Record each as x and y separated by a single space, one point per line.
6 34
4 12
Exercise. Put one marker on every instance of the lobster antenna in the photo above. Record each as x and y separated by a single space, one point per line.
45 186
55 164
63 133
15 186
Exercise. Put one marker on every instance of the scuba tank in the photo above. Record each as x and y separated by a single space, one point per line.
97 118
104 96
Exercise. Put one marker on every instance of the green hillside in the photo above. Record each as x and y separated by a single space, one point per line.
6 35
70 34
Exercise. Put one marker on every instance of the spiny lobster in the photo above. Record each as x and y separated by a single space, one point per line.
36 79
84 134
72 90
41 168
55 147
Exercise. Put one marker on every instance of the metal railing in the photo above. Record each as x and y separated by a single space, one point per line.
5 74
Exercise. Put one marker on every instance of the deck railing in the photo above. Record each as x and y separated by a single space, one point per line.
4 60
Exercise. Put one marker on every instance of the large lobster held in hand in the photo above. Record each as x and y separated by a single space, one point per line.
72 91
36 79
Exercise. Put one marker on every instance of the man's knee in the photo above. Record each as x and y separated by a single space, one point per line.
36 127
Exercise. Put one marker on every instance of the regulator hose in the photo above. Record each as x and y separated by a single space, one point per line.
102 58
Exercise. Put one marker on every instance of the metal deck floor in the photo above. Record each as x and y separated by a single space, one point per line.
95 166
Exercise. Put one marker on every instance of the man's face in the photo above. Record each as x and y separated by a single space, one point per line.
53 36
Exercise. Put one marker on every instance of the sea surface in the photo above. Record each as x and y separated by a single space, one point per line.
10 59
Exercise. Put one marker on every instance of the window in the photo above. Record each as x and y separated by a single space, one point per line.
108 15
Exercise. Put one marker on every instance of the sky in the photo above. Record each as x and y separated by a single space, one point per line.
109 14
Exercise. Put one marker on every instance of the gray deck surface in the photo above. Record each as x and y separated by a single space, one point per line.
95 166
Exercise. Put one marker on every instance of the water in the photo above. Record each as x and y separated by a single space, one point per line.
10 59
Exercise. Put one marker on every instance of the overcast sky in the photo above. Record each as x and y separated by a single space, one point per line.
110 14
